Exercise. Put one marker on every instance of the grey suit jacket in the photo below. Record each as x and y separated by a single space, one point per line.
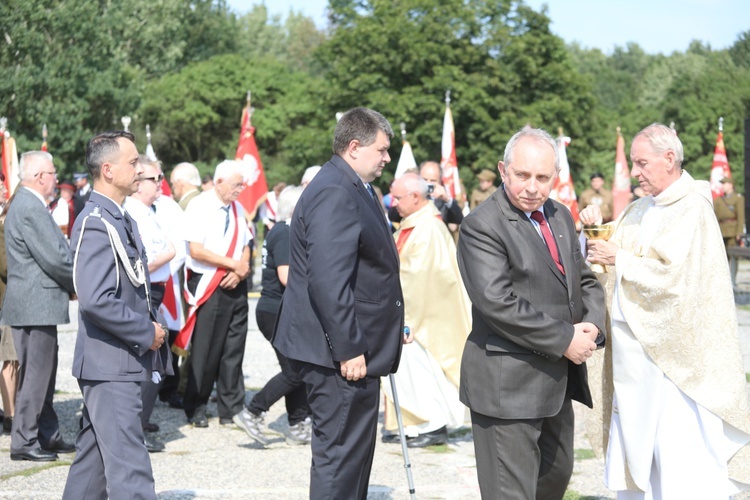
40 271
523 311
115 332
344 296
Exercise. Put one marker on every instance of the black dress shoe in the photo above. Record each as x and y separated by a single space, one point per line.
152 445
61 447
394 438
7 424
149 427
198 419
433 438
173 400
37 455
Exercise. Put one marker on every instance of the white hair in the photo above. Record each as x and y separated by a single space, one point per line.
29 165
287 201
310 172
228 168
186 172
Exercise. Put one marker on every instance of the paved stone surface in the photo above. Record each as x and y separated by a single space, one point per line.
222 462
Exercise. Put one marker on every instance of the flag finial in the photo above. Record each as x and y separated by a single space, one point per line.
403 132
447 97
721 124
126 123
560 131
44 131
618 131
3 123
148 133
339 115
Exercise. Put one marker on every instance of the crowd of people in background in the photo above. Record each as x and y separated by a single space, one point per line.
502 312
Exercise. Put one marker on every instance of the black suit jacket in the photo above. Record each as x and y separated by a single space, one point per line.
343 297
523 311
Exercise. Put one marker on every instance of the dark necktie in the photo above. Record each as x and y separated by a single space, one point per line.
226 221
548 238
371 191
129 226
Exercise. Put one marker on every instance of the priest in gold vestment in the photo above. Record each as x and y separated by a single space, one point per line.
677 419
438 312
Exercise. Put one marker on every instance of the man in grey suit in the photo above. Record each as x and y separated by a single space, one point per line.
342 317
117 334
538 314
39 270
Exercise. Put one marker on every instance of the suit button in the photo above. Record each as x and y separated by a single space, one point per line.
398 303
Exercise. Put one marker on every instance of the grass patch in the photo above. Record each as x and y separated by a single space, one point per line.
440 448
574 495
33 470
460 432
584 454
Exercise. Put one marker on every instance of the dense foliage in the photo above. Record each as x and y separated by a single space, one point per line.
183 66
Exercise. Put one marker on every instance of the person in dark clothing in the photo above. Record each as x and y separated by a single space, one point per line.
286 384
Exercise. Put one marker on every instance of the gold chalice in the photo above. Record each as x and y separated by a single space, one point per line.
598 232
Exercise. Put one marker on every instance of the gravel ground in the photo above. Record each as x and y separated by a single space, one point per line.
222 462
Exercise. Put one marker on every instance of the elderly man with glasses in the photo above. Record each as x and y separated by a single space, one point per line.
217 263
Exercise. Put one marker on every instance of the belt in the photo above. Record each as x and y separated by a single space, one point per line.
159 283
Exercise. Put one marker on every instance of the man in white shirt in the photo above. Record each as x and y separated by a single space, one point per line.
185 180
159 251
217 264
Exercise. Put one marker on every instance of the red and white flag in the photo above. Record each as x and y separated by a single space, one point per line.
564 191
621 183
448 161
720 166
8 158
247 152
44 137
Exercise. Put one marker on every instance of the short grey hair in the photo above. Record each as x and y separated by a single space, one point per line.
537 134
287 201
186 172
663 139
145 160
360 124
29 165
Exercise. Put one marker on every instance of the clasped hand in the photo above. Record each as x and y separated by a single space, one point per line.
583 344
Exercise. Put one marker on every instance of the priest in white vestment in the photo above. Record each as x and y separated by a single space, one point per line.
438 313
680 418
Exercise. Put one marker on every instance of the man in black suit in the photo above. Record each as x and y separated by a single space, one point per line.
117 334
538 314
83 191
341 318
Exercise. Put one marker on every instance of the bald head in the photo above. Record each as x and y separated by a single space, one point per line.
430 172
409 194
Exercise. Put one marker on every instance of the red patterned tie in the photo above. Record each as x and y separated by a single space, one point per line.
548 238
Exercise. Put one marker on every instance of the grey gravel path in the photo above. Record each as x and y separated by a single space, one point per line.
222 462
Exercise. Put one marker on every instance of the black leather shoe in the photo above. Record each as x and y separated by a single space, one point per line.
199 417
149 427
433 438
61 447
173 400
37 455
394 438
152 445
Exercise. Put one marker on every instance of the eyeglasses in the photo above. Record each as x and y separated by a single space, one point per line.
239 186
40 174
156 178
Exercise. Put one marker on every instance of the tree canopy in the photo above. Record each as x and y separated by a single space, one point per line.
184 67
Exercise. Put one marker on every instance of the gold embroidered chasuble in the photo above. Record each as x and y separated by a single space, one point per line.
676 296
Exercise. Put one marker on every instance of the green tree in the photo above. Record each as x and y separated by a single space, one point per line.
499 59
195 114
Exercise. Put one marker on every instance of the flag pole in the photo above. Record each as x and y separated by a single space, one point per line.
126 123
403 132
721 124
